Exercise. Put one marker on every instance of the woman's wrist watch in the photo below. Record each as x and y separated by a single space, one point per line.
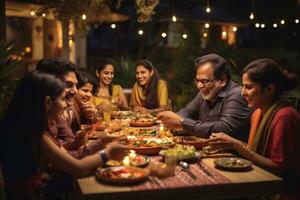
103 156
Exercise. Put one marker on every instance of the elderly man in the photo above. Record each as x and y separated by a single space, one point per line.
218 107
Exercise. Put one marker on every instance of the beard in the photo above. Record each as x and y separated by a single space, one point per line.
210 94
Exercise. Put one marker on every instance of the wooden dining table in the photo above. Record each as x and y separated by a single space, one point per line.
209 183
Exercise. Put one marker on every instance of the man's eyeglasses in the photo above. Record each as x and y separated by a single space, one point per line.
203 81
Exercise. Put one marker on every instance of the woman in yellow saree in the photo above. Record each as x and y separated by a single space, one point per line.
107 93
274 135
149 93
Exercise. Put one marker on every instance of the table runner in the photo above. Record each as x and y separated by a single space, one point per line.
208 176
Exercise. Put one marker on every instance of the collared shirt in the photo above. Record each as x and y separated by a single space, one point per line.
228 113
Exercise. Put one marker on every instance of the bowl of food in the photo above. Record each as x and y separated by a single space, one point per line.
148 145
197 142
185 153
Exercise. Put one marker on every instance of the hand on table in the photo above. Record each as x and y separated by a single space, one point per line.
141 109
223 141
107 138
170 119
116 151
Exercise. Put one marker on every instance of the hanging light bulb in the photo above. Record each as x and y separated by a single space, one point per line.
257 25
184 36
163 35
140 32
275 25
262 25
206 25
297 21
282 21
83 17
251 16
205 35
174 19
113 26
32 13
208 9
44 15
234 29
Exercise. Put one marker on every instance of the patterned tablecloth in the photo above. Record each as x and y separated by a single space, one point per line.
200 175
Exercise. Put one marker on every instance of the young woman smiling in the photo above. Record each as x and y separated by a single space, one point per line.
274 138
106 92
149 93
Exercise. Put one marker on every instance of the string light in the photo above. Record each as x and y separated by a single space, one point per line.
208 10
252 8
257 25
174 19
83 17
140 32
44 15
163 35
113 26
184 36
206 25
207 7
297 21
282 21
234 29
32 13
262 25
275 25
251 16
205 35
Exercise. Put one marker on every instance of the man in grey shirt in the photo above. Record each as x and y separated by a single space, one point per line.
218 107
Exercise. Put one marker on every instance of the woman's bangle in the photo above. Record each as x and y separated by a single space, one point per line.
103 156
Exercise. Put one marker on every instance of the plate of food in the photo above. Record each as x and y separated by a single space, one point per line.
197 142
123 114
138 131
233 164
135 161
141 122
185 153
122 175
148 145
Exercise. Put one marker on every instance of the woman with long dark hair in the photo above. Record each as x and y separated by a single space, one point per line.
274 135
27 148
106 92
149 93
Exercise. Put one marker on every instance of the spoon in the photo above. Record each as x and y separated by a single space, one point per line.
186 167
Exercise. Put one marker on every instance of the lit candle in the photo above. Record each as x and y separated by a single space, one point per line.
126 161
132 154
161 127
